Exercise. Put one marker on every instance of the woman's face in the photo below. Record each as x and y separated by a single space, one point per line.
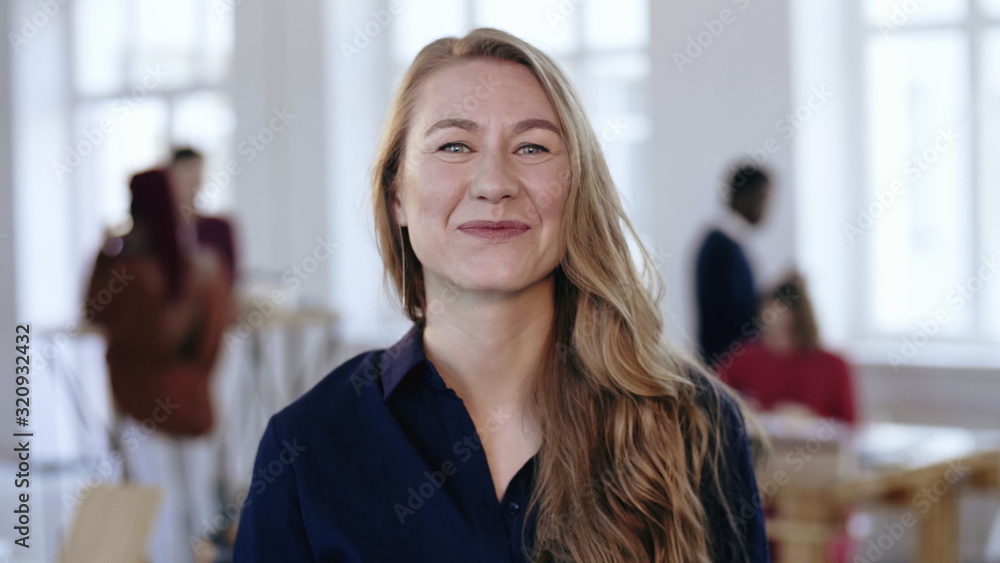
185 180
484 178
780 333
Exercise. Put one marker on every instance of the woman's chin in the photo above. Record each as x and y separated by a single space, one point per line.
499 280
480 284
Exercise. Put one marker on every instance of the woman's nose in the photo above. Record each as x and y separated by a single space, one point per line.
494 180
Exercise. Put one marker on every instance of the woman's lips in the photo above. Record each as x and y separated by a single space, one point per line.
494 230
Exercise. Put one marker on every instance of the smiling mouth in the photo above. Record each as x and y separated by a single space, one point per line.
494 230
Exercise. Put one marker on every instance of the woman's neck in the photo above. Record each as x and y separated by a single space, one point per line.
489 348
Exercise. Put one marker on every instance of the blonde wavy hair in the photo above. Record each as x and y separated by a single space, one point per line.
630 427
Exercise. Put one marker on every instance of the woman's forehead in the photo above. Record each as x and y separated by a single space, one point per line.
481 90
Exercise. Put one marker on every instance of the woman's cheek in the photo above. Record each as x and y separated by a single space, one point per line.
551 199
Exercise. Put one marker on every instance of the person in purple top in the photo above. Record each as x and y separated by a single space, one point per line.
215 233
534 411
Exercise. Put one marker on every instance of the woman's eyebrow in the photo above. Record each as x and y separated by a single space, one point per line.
453 122
522 126
472 126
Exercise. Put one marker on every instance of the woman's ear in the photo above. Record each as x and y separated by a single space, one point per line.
398 210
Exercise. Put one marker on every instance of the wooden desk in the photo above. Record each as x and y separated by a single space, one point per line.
819 471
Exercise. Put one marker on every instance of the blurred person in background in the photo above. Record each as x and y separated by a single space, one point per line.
216 233
164 302
783 367
724 278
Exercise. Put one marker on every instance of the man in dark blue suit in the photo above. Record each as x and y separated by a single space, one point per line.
726 292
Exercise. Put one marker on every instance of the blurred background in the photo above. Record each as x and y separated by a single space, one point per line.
878 122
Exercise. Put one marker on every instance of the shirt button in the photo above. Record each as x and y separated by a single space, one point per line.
513 507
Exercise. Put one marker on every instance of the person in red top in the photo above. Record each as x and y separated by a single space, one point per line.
783 366
164 304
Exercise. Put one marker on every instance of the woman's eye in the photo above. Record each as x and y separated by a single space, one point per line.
531 149
454 148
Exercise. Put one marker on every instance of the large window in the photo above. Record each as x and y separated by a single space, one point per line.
929 220
147 75
603 46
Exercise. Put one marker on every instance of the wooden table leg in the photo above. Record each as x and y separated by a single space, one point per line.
939 530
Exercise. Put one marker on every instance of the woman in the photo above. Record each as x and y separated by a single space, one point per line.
164 305
533 411
164 302
786 369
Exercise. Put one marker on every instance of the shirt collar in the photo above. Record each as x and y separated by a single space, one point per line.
734 225
400 358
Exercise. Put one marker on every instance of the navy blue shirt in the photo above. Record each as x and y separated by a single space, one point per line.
381 461
727 296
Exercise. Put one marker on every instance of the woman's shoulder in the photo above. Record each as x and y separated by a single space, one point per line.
136 277
744 360
341 395
830 358
715 398
725 412
343 384
214 224
732 502
824 363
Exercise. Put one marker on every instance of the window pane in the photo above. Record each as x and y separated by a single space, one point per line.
166 38
617 84
422 21
915 212
548 24
103 201
615 90
891 15
99 45
219 40
621 24
628 163
990 203
991 7
205 121
131 139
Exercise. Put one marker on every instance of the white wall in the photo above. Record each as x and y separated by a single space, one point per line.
947 396
311 182
828 158
719 108
282 191
360 84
